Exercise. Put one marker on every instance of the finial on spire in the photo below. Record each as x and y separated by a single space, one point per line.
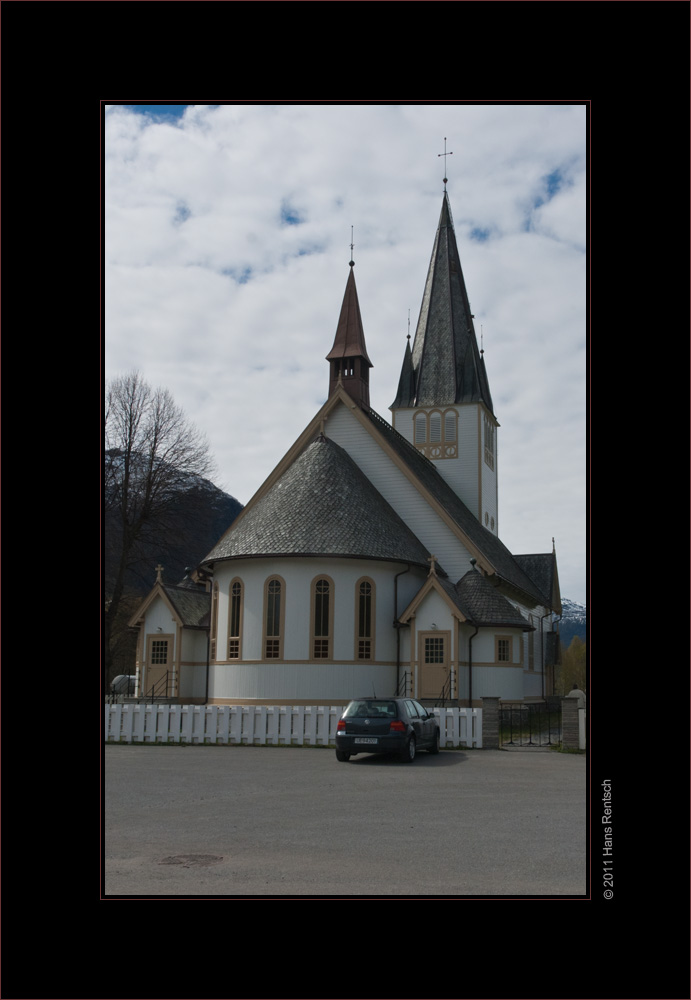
482 342
351 261
409 324
445 154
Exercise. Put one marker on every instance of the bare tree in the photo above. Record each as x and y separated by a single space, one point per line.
153 454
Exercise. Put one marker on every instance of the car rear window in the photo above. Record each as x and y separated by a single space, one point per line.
370 709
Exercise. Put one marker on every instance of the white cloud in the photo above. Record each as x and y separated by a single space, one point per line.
210 293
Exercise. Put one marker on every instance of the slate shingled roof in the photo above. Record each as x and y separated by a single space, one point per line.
447 366
349 341
322 505
193 606
487 543
486 606
540 567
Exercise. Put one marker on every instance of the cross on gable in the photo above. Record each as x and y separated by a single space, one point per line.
159 570
433 569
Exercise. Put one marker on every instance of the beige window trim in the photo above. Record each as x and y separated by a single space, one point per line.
322 618
365 618
440 439
214 621
274 618
236 600
503 649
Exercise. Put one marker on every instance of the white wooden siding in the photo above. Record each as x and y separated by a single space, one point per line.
460 473
300 682
397 490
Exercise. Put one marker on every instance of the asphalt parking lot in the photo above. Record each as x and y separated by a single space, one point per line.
212 821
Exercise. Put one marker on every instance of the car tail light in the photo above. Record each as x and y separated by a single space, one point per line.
340 728
397 727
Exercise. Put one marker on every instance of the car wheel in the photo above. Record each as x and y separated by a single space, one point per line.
408 751
343 757
435 746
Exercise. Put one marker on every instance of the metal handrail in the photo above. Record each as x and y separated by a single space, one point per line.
445 691
156 691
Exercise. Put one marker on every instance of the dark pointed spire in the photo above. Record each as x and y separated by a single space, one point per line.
405 397
447 365
348 360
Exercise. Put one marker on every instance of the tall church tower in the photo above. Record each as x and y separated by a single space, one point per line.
443 405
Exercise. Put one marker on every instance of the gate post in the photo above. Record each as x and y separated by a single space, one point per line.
569 723
490 723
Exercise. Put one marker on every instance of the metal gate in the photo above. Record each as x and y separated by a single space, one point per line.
530 724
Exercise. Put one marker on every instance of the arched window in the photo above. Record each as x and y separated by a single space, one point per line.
364 619
214 622
489 443
274 617
420 429
322 618
235 620
450 434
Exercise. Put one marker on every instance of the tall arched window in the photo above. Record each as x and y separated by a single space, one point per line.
364 619
450 434
274 617
235 621
322 618
214 621
420 429
489 442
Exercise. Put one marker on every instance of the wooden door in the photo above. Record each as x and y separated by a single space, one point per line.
433 658
159 659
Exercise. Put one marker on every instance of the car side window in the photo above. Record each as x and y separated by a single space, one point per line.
410 708
422 712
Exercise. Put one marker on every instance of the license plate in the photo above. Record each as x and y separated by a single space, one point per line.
365 739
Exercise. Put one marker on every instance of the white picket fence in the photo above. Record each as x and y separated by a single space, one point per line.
311 725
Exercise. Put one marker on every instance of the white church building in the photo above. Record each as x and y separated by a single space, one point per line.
370 559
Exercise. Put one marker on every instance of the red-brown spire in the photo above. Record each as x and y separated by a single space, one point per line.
349 363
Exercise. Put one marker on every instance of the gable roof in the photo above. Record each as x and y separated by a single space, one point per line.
492 554
321 504
473 599
486 606
190 606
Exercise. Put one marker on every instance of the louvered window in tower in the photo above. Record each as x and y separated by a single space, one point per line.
436 433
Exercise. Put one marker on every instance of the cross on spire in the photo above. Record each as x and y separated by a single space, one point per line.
445 154
351 262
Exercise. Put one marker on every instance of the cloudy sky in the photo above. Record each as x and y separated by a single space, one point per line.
227 241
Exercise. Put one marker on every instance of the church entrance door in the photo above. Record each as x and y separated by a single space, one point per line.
159 664
433 658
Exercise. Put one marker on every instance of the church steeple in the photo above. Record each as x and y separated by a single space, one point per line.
349 363
447 367
443 405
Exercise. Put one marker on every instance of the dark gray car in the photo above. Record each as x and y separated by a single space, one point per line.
386 725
